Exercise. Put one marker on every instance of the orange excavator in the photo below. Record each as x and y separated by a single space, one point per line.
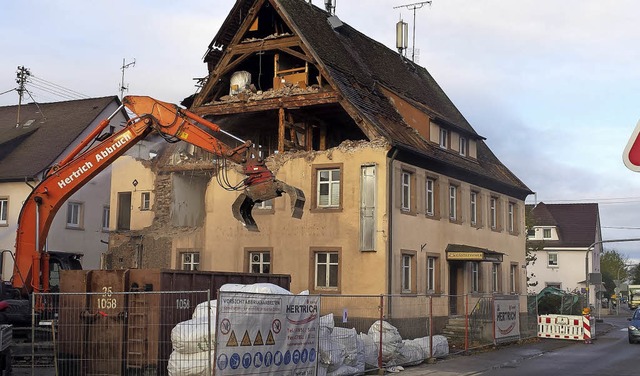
97 151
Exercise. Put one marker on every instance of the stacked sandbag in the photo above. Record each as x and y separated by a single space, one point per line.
192 340
193 345
340 351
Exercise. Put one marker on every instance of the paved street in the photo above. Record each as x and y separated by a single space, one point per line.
517 359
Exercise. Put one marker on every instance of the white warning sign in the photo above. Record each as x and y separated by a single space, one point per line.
290 323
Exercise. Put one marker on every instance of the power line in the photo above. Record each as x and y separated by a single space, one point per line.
58 88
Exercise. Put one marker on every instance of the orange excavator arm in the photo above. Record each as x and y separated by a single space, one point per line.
84 162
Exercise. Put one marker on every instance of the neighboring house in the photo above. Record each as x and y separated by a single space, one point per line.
33 138
403 196
564 237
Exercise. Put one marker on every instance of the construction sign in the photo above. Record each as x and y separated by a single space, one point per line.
266 333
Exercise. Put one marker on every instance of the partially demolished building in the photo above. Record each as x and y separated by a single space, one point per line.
403 195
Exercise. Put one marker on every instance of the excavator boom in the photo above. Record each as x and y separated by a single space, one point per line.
83 163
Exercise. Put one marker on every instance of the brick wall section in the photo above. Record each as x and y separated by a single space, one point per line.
155 242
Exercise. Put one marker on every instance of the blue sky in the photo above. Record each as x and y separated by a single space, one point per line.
552 85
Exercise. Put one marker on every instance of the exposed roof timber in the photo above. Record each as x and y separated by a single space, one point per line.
231 65
268 104
262 45
228 54
300 56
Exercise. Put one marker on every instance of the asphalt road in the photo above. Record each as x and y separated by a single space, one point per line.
609 354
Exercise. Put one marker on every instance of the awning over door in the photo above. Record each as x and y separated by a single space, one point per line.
461 252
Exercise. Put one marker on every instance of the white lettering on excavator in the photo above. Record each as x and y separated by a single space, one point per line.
75 174
111 149
102 154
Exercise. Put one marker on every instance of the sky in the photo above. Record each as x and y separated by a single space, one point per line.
552 85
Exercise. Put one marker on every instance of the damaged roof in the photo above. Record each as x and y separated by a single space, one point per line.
578 225
360 68
44 131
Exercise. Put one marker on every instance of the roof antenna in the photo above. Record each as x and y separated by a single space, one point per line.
413 7
122 68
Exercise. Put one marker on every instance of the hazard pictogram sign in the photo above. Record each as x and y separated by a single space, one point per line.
246 341
233 341
631 155
258 341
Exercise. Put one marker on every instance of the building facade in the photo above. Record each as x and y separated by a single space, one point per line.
403 196
566 240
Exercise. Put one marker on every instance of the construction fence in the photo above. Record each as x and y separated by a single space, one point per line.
188 333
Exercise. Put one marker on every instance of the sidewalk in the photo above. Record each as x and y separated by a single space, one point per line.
492 358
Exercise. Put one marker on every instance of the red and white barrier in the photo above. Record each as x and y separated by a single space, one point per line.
576 328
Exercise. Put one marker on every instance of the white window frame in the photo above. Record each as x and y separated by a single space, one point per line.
552 259
330 199
4 211
453 202
405 191
463 146
145 201
74 214
407 260
493 212
257 258
475 277
546 231
106 216
431 273
511 215
473 209
513 276
329 266
190 261
444 138
495 277
430 185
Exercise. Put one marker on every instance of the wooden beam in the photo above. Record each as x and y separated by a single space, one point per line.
264 45
302 100
228 55
297 54
281 120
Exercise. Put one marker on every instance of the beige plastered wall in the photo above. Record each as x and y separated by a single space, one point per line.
290 240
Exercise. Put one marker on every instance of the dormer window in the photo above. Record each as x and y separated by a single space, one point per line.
463 147
444 138
546 233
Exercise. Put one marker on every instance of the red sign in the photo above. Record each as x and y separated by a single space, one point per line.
631 154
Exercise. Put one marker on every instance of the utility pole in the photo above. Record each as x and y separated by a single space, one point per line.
414 7
21 78
122 68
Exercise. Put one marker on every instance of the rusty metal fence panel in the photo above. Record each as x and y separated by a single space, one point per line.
116 333
109 333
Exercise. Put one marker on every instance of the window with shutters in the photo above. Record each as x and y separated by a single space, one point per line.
368 208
